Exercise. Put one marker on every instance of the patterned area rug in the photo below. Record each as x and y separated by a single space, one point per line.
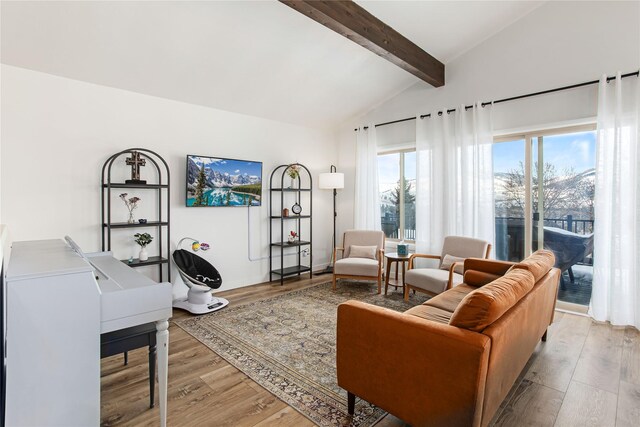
287 345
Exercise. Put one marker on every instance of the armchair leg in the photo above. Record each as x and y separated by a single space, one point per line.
406 292
351 403
334 282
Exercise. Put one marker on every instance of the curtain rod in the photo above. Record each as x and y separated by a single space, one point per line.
513 98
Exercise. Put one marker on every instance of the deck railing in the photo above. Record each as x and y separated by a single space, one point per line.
510 234
578 226
391 225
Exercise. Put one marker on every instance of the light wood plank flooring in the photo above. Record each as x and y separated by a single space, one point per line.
586 374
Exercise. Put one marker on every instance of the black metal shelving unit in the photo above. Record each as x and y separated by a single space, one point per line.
301 188
161 223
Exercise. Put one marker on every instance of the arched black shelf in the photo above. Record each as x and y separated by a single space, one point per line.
281 185
161 223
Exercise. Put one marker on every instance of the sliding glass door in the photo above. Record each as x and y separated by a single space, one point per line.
544 185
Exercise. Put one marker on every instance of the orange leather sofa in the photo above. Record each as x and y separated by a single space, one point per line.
452 360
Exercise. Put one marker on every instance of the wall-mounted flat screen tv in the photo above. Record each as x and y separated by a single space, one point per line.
215 181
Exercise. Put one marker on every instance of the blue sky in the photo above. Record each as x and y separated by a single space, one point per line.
389 169
577 150
232 167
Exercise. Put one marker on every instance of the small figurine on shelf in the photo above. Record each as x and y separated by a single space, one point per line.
131 204
143 239
292 237
135 161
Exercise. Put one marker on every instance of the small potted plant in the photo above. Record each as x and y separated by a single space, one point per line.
294 172
143 239
292 236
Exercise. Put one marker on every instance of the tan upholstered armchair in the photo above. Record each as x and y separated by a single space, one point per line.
362 257
434 281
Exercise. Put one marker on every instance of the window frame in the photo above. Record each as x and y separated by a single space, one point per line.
401 152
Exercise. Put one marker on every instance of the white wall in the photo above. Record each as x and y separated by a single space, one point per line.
558 44
58 132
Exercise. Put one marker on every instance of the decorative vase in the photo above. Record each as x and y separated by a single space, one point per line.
131 220
291 239
143 256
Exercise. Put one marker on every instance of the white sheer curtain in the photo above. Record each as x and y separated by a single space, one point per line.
454 188
616 273
367 200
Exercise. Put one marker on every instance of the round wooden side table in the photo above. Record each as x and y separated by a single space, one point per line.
391 258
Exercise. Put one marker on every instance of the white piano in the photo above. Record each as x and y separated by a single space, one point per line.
58 302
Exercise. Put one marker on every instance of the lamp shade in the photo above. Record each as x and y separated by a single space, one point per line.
331 180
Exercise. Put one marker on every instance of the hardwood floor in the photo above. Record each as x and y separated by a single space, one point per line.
586 374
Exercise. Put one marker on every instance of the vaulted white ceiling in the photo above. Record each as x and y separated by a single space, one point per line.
259 58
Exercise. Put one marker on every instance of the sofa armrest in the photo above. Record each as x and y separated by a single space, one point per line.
425 373
478 272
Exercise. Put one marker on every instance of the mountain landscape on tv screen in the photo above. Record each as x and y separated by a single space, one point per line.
215 181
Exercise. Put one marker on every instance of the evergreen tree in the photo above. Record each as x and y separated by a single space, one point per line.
200 185
409 198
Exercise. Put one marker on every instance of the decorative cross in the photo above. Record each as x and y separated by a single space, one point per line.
135 161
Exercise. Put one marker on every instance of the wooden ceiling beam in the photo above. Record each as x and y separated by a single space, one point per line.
355 23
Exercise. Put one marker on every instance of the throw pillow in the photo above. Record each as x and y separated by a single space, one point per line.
363 251
483 306
450 259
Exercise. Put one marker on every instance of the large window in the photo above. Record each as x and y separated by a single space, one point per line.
397 187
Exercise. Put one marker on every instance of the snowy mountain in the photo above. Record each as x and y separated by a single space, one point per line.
217 179
386 196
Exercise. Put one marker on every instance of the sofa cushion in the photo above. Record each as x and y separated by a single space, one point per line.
356 267
486 304
479 278
450 299
428 312
432 280
363 251
539 263
487 270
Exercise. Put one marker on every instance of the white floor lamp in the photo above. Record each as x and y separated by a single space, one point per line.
332 180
